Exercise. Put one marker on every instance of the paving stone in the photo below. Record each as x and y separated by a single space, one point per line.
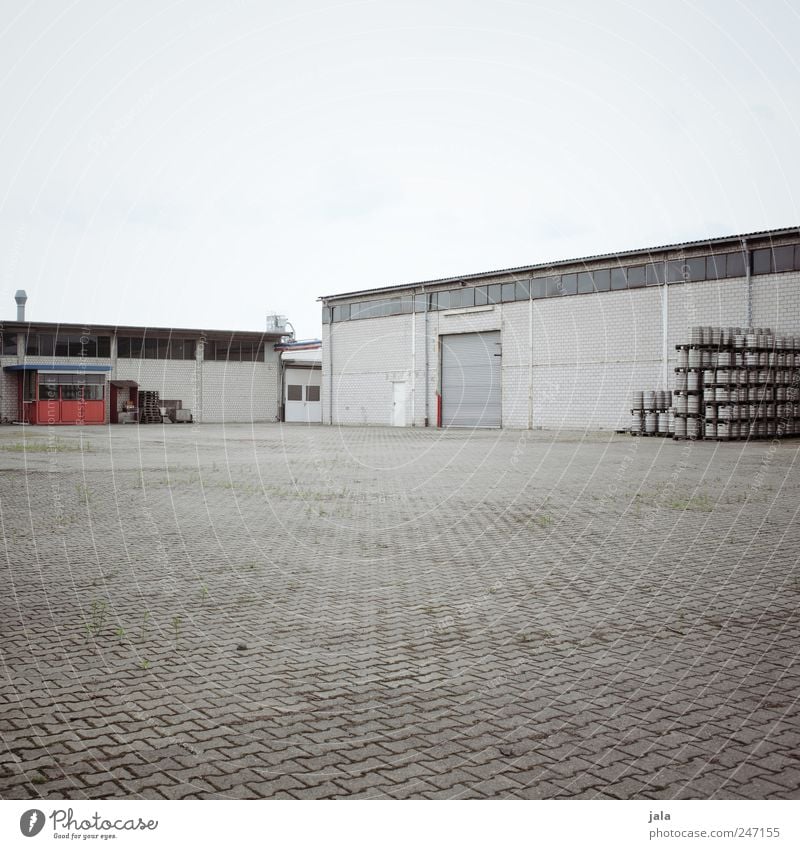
417 625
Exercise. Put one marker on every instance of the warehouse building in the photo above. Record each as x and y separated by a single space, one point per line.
67 374
550 345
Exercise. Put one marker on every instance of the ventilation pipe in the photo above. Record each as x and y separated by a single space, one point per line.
20 297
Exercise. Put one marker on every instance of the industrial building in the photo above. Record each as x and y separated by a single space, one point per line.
549 345
67 374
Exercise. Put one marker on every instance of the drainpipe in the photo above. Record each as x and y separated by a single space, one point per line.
330 365
413 364
426 355
746 252
665 331
530 361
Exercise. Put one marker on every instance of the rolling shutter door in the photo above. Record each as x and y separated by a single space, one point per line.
471 374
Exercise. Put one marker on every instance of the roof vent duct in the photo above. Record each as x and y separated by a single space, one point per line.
20 297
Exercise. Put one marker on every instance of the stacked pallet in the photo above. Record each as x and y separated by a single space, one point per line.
692 360
149 407
730 383
651 413
750 381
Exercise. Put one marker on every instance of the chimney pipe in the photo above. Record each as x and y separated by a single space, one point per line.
20 297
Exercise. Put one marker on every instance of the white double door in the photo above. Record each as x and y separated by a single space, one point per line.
302 388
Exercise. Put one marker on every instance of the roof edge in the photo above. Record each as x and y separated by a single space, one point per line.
539 266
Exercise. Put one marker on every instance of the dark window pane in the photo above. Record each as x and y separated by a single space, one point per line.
294 392
797 257
494 293
93 392
508 292
103 346
189 349
245 352
783 258
696 268
312 393
47 391
715 266
539 287
32 345
151 349
585 283
70 392
618 279
46 345
636 276
602 280
565 284
654 273
523 290
9 344
62 346
89 346
677 271
481 296
123 347
735 265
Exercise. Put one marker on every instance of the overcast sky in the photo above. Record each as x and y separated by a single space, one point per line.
204 163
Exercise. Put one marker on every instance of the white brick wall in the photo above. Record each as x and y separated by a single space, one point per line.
589 352
214 391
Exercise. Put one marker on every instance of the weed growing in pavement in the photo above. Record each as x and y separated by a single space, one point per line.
97 617
145 618
84 493
143 664
176 626
699 503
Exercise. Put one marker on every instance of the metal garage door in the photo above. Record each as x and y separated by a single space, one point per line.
471 372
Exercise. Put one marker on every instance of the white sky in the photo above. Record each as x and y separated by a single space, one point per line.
203 163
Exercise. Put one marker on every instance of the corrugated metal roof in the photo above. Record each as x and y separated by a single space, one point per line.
524 269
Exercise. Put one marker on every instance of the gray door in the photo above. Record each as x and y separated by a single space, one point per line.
471 373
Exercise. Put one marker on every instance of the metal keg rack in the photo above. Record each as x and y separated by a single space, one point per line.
743 384
755 393
693 424
658 409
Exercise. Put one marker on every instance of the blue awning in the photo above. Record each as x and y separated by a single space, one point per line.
66 368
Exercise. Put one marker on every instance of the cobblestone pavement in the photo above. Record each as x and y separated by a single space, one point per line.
290 611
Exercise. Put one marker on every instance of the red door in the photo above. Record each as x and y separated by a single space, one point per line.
65 400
